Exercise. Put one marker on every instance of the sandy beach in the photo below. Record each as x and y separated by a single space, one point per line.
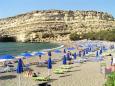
85 74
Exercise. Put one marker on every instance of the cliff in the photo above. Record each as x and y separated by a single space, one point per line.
53 25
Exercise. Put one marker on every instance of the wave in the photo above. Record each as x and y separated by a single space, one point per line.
46 50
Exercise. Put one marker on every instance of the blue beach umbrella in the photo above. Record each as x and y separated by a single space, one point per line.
71 48
49 65
64 51
68 56
6 57
57 51
75 55
39 53
97 54
100 51
27 55
19 66
83 52
79 54
19 69
49 54
64 60
89 49
86 50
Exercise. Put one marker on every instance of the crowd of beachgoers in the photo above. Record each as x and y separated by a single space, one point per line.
78 63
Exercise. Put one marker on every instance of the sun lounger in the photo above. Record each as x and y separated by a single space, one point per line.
59 71
41 78
7 69
65 67
41 64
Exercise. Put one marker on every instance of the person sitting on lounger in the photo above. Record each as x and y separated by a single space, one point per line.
34 75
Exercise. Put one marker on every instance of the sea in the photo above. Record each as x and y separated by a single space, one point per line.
15 49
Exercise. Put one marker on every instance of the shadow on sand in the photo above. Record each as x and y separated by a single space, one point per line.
66 75
6 77
75 70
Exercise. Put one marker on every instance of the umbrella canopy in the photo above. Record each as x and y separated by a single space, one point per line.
64 51
75 55
72 48
83 52
100 51
79 53
64 59
57 51
86 50
68 56
97 54
6 57
26 55
39 53
49 63
49 53
19 66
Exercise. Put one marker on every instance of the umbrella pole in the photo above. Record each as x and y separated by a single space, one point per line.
48 72
19 79
26 61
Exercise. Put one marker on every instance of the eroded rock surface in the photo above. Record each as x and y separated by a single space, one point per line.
53 25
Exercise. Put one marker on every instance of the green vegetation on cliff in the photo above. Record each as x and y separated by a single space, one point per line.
101 35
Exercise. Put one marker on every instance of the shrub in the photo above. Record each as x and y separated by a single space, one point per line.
74 36
110 79
101 35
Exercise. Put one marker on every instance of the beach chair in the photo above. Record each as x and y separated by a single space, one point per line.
59 71
42 78
41 64
2 70
66 67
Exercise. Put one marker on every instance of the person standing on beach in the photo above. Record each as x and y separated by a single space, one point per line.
111 60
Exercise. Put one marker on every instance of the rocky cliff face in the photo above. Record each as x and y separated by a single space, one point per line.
53 25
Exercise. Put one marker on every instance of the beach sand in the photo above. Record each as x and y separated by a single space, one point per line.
86 74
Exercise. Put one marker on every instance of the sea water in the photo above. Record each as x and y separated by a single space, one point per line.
14 48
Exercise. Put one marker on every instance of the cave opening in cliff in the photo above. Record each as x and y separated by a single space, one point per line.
7 39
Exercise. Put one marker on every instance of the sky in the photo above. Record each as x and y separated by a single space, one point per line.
14 7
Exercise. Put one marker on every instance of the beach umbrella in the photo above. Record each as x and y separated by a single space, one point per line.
49 53
97 54
57 51
83 52
90 49
64 60
68 56
19 70
75 56
71 48
100 51
27 55
49 65
64 51
39 53
6 57
86 50
79 54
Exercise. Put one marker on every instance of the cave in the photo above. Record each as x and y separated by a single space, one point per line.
7 39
